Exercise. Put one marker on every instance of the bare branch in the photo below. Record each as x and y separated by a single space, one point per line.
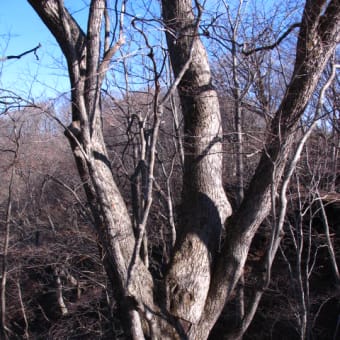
111 51
275 44
33 50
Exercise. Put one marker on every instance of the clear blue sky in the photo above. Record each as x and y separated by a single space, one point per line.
21 30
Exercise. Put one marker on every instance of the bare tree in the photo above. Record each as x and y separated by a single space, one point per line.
5 331
203 271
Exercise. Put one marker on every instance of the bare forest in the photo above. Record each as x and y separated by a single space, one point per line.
187 185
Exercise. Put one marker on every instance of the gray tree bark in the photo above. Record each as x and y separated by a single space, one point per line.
205 206
86 67
317 40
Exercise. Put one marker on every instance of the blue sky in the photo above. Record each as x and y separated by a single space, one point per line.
20 30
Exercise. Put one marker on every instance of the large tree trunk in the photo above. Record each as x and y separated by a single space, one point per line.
205 206
132 281
317 40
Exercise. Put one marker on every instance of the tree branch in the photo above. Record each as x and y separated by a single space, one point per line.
111 51
275 44
33 50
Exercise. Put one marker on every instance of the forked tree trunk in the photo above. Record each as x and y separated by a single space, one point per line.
201 277
317 40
